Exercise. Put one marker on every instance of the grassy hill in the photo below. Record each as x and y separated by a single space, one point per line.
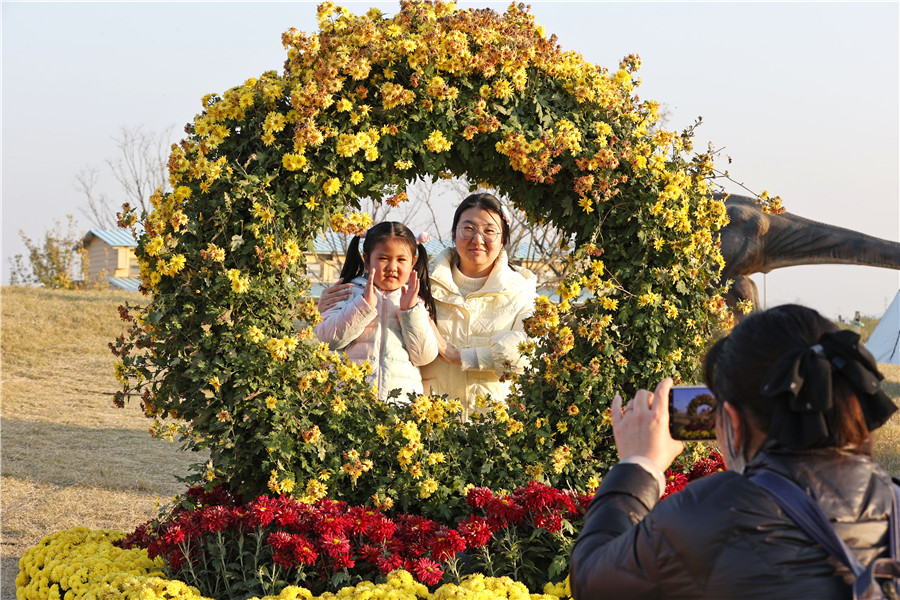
70 458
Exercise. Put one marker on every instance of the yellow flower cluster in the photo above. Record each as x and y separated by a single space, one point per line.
435 410
213 253
240 284
545 318
352 223
80 564
478 587
279 485
437 142
171 267
279 348
562 456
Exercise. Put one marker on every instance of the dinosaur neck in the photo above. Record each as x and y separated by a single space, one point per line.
793 241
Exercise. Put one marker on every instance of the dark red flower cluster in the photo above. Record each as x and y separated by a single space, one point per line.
676 478
544 506
318 539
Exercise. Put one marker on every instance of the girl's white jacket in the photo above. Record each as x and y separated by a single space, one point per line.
394 341
486 326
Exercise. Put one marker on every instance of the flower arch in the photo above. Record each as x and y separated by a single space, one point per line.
363 105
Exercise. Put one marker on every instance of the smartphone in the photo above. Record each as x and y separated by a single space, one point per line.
692 414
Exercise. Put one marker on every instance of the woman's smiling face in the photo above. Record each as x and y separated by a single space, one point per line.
477 255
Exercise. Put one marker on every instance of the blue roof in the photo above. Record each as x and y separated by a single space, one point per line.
126 283
113 237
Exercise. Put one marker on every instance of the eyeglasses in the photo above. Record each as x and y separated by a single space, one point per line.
489 235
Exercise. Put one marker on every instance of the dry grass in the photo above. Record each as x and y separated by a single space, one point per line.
70 458
887 438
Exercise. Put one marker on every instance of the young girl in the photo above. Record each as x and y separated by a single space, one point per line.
387 319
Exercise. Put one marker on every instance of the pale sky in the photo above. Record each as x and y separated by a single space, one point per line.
802 96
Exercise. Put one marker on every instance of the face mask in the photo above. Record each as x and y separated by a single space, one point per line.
734 457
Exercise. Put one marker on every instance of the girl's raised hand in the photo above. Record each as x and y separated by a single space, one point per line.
369 292
410 294
336 292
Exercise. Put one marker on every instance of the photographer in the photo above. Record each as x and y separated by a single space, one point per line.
795 396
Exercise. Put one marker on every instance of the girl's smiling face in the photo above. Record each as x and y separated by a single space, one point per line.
392 262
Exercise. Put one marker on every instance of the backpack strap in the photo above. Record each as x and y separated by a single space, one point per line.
806 513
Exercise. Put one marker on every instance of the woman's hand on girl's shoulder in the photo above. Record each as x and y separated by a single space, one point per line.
337 292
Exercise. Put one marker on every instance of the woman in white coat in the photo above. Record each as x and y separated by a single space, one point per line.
481 301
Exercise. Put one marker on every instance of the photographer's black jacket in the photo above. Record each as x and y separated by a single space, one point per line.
722 537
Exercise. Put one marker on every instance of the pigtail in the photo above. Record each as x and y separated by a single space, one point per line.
421 268
354 266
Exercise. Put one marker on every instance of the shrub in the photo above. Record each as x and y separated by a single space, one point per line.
226 345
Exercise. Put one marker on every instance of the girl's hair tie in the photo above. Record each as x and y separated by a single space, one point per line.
506 216
362 235
423 238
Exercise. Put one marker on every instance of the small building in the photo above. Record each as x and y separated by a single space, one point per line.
110 253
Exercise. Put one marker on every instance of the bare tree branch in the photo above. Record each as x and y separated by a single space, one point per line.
141 167
98 208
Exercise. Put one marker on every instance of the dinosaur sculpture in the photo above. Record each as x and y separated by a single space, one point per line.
756 242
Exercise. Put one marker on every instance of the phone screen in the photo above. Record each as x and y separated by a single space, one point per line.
692 413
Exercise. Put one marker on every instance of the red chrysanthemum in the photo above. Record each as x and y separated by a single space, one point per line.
285 558
381 528
479 497
389 563
304 551
288 512
427 571
536 496
446 543
707 466
174 535
370 552
175 559
214 518
505 511
675 482
332 525
360 518
262 511
475 530
336 545
281 540
343 561
550 521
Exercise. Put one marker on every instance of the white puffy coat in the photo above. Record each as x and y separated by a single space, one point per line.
394 341
486 326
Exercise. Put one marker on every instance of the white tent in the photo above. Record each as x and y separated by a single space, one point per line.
884 343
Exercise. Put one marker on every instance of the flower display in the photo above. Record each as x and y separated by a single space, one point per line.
78 564
325 545
307 470
369 101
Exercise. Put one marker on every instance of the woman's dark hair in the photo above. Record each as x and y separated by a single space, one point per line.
486 202
355 265
737 365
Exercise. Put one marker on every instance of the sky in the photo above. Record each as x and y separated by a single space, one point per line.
803 97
